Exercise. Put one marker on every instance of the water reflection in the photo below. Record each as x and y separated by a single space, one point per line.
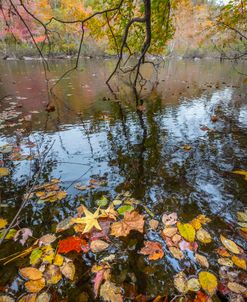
138 151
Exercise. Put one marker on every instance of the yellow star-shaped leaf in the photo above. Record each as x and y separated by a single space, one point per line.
90 220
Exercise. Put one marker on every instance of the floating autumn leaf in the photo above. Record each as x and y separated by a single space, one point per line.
43 297
189 246
180 282
169 232
176 252
6 298
125 208
52 274
187 231
28 298
110 293
3 223
208 282
22 235
203 236
230 245
109 212
68 270
202 260
223 252
58 260
35 256
170 219
71 244
35 286
202 297
241 172
4 172
51 196
30 273
131 221
153 249
47 239
242 216
176 239
225 262
240 262
193 284
90 220
64 225
236 287
153 224
98 246
10 235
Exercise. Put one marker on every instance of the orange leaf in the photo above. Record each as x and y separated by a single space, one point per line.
72 244
153 250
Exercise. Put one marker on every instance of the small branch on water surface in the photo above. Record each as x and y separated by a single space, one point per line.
28 194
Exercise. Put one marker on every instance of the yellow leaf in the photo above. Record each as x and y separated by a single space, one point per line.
203 236
52 274
230 245
196 224
30 273
58 260
242 216
3 223
90 220
241 172
28 298
244 230
239 262
4 172
187 231
208 282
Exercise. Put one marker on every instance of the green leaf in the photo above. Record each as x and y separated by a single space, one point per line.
35 256
126 208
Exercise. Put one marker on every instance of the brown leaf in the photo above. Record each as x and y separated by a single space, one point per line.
236 287
153 250
27 298
176 252
98 246
68 270
31 273
169 232
131 221
153 224
110 293
52 274
47 239
202 260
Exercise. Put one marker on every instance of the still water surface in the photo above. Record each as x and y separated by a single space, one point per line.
137 151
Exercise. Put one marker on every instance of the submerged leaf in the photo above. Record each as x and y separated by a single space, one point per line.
176 252
124 209
202 260
241 172
6 298
169 219
35 256
52 274
242 216
169 232
98 246
193 285
236 287
4 172
225 262
3 223
240 262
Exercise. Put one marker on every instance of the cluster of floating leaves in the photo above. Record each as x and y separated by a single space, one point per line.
51 256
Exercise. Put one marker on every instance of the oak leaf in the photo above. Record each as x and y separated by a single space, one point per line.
131 221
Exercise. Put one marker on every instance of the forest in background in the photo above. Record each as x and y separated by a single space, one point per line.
194 29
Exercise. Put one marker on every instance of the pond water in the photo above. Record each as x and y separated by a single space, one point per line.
171 155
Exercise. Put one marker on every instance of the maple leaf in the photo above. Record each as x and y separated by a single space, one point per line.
153 250
131 221
71 244
90 220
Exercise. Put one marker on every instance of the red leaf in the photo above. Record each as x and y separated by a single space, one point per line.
201 297
72 244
